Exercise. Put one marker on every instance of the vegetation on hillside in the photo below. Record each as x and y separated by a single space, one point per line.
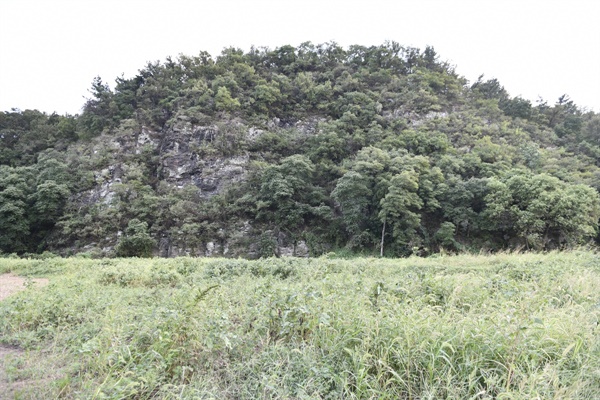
464 327
403 157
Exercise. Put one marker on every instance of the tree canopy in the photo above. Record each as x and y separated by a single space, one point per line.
380 148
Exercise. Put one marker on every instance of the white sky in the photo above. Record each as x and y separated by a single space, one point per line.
51 50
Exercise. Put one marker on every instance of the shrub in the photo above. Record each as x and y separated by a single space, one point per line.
136 242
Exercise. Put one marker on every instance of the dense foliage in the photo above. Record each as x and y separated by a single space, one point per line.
381 149
464 327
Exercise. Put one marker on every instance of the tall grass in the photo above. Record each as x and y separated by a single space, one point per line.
504 326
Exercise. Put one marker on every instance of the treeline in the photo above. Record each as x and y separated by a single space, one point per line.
371 149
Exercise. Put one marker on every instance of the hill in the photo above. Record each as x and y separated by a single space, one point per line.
297 151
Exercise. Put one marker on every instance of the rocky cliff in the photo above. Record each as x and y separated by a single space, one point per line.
206 159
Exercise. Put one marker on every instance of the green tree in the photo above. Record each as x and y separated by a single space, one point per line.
445 236
49 200
388 191
99 111
400 209
542 211
224 101
15 184
353 195
463 202
136 242
288 198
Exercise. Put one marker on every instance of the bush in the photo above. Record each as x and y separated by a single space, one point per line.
136 242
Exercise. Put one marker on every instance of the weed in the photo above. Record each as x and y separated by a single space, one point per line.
471 326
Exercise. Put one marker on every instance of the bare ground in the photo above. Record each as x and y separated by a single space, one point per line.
10 284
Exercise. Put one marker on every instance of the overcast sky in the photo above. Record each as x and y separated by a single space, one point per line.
51 50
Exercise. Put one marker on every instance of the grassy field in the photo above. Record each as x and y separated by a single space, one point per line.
521 326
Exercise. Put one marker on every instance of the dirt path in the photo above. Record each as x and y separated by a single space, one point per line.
9 387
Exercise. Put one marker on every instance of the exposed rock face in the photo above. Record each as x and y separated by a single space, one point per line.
181 157
289 248
206 156
184 159
299 249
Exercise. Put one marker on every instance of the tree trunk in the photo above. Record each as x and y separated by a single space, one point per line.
382 236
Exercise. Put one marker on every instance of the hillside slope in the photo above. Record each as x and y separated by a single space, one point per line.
300 151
